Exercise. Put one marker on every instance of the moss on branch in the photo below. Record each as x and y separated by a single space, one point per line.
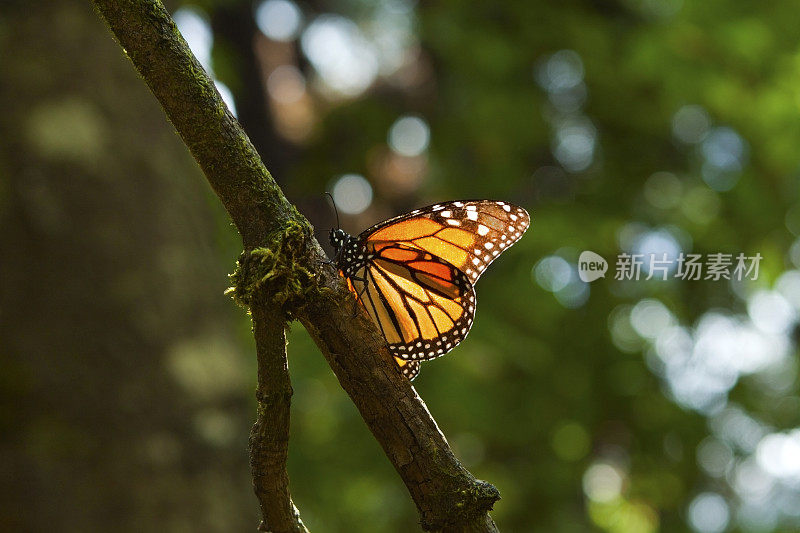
278 272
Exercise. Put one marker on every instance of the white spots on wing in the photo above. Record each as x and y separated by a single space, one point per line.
476 261
472 208
472 215
453 222
502 244
437 207
514 217
458 204
446 214
495 253
506 208
482 230
489 245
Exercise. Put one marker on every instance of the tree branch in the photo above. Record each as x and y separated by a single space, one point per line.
269 438
280 276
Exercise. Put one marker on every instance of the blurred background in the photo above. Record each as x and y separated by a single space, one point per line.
637 126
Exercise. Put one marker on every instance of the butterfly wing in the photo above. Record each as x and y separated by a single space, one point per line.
468 234
410 369
423 305
417 273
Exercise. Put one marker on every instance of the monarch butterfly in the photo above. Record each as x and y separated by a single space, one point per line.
415 273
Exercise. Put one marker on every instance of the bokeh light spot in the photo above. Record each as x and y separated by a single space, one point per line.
574 143
279 20
561 71
724 148
792 219
770 312
622 333
555 274
352 194
714 456
193 24
794 253
47 123
286 84
725 154
226 95
347 62
709 513
788 285
650 317
552 273
779 455
571 441
575 294
215 426
700 205
690 124
207 367
602 482
663 190
658 244
409 136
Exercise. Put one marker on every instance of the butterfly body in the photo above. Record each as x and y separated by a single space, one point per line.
350 254
415 273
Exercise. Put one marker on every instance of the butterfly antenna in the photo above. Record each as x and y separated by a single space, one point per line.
335 210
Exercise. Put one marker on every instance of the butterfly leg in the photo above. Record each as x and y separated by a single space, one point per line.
360 293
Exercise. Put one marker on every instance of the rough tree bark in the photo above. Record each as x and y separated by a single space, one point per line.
281 276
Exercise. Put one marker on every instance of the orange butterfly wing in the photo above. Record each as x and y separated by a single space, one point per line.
467 234
417 281
423 305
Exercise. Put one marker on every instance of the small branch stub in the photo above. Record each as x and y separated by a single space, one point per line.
269 437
